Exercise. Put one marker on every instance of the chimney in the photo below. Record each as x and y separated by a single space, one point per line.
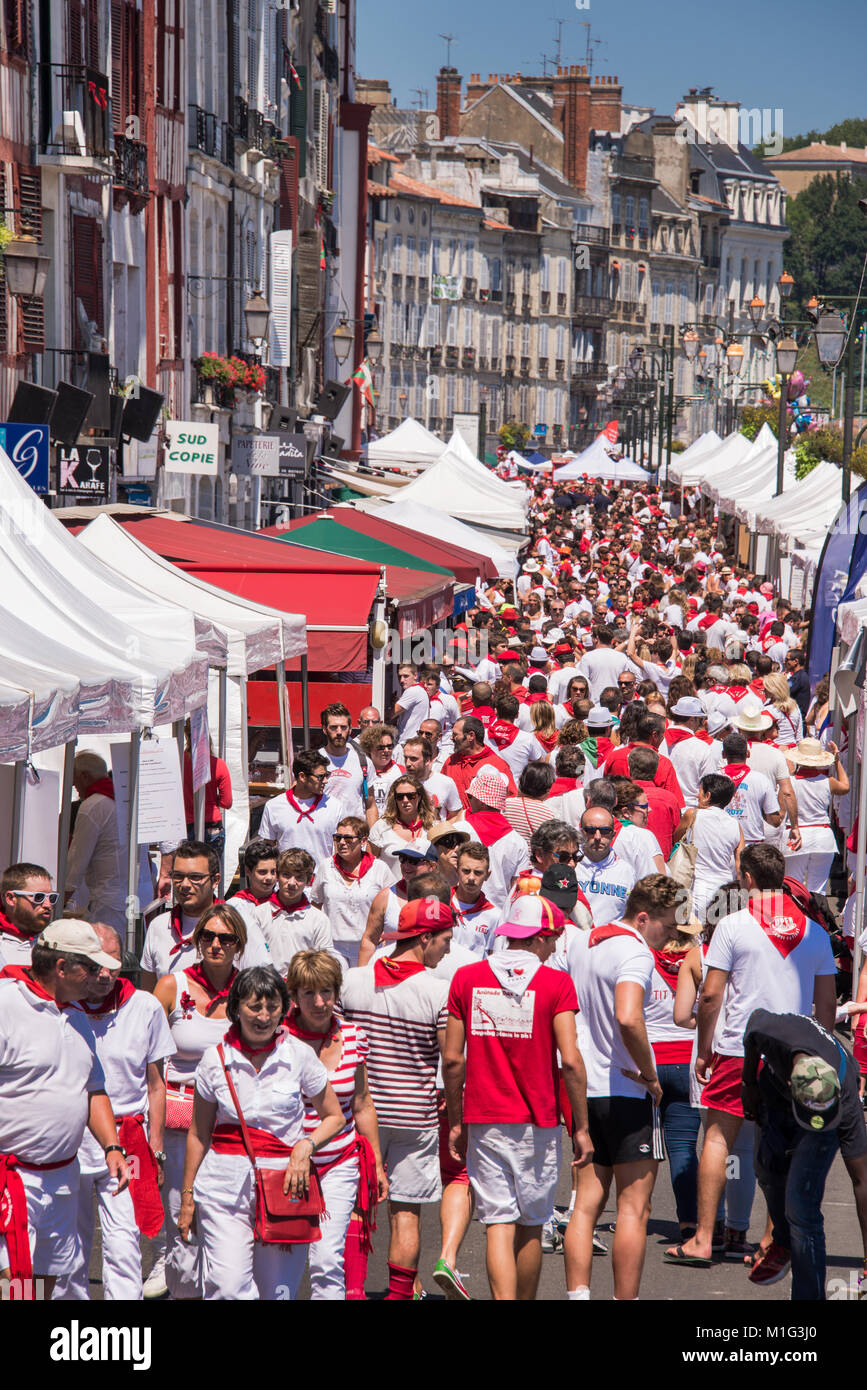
572 93
449 83
476 87
605 104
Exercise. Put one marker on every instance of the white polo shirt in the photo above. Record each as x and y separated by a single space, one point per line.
411 707
127 1039
48 1067
95 866
313 832
300 928
443 794
596 972
160 957
14 951
691 758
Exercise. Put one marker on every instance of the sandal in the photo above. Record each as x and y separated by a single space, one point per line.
678 1256
758 1254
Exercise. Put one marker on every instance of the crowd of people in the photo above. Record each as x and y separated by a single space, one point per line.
579 899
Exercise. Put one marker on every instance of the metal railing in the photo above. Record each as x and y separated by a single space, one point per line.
203 131
131 165
593 306
76 111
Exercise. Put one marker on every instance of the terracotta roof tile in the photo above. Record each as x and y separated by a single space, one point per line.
851 155
403 183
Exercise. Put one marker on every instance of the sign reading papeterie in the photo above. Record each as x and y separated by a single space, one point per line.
192 447
254 454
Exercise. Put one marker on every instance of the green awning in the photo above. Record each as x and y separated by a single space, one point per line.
330 536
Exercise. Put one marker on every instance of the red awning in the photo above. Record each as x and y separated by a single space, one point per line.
330 590
465 565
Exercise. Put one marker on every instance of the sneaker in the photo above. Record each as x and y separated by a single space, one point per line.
561 1218
155 1285
737 1246
718 1240
773 1267
451 1282
418 1294
599 1246
552 1241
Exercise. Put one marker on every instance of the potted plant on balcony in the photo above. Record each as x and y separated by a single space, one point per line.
219 377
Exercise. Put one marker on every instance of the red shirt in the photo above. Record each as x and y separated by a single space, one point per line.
218 791
617 765
663 817
511 1079
463 768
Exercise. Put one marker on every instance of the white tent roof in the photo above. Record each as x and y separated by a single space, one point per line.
40 713
803 509
729 454
596 463
251 636
458 446
699 448
428 522
725 486
449 486
146 662
411 445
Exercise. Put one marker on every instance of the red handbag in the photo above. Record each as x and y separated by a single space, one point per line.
281 1219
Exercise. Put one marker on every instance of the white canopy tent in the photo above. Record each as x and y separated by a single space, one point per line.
597 463
428 522
699 448
458 446
729 454
449 487
809 506
755 471
411 445
252 637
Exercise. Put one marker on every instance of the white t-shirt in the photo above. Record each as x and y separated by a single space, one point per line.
558 683
411 708
691 758
754 798
445 708
346 902
596 971
601 668
127 1039
443 794
761 977
315 833
510 855
474 925
159 956
48 1065
716 836
379 784
346 780
524 748
606 886
769 760
14 951
636 848
95 866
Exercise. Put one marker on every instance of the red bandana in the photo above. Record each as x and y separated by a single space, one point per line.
392 972
675 736
304 815
563 785
486 713
357 874
703 736
668 963
232 1036
103 786
117 996
502 733
8 928
548 741
470 909
782 922
247 897
197 974
18 972
277 906
707 620
489 825
538 696
292 1022
606 932
737 772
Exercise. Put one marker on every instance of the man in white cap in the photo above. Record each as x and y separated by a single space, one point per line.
51 1087
758 725
26 905
508 1017
598 744
132 1042
690 755
508 851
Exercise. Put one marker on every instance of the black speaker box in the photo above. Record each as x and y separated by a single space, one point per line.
141 412
283 418
331 400
69 413
31 404
117 404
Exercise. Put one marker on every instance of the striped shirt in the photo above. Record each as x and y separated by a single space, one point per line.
525 814
342 1078
401 1022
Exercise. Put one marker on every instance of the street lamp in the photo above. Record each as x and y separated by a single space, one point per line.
373 346
342 340
787 358
735 358
830 338
756 309
785 285
691 344
26 268
257 314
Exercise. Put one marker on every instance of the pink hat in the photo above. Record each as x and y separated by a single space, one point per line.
531 915
489 787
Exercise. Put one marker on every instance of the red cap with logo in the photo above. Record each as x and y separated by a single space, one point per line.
420 916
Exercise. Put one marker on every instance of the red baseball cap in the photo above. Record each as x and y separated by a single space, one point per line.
420 916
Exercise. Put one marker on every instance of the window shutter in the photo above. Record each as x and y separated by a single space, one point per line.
76 45
17 28
289 188
94 57
87 271
298 118
4 310
118 51
320 116
236 48
27 197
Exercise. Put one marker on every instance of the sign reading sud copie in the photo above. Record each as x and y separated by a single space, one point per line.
192 447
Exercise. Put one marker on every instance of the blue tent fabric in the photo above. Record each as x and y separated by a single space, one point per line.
842 565
536 457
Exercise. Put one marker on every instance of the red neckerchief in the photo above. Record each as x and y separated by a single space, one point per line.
18 972
481 904
707 620
537 696
489 825
387 768
304 815
675 736
292 1024
392 972
568 707
13 1220
8 928
718 690
703 736
247 897
502 733
355 875
737 692
563 785
277 906
757 687
548 741
737 772
103 786
176 923
197 974
232 1036
784 927
486 713
668 964
605 933
121 991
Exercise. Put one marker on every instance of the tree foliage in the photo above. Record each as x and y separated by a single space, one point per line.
826 250
513 435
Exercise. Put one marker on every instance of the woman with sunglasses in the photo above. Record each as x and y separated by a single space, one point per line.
194 999
408 817
346 884
576 690
378 742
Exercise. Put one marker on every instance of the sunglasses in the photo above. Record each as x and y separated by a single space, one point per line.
384 747
449 841
227 940
405 796
605 831
346 839
37 898
568 856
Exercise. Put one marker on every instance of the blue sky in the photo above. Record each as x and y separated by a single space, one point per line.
799 56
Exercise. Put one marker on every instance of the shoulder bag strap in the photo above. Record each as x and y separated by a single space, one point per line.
237 1104
362 758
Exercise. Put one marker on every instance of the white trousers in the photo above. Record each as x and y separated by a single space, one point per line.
183 1259
813 869
340 1189
121 1252
51 1212
234 1265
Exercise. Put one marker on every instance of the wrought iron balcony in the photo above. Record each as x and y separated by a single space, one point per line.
592 306
203 131
75 122
131 166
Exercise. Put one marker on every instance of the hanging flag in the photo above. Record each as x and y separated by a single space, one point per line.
362 377
609 432
295 78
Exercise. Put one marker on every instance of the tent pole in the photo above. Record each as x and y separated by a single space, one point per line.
282 715
305 699
223 676
18 810
65 820
860 849
380 654
132 845
178 731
